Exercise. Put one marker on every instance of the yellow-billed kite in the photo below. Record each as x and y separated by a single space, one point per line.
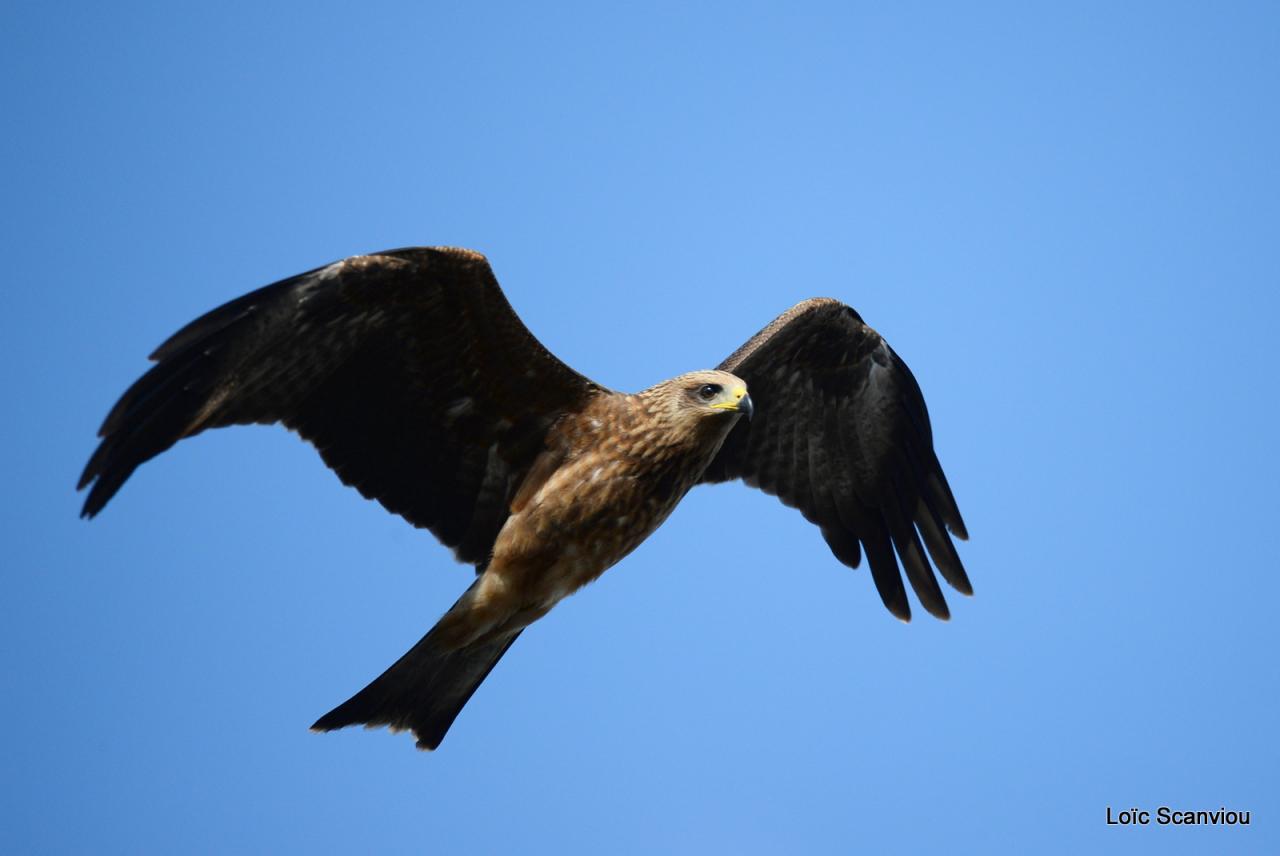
411 374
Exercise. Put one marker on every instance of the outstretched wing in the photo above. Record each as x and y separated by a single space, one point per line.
841 432
408 371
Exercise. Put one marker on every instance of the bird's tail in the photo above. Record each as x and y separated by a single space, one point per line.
424 690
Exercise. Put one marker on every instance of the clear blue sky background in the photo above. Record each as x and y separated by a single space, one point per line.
1065 217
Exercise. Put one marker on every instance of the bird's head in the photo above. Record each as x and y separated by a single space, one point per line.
713 397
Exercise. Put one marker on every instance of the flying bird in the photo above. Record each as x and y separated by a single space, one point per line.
411 374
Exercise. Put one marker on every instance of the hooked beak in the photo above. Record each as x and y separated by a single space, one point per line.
741 403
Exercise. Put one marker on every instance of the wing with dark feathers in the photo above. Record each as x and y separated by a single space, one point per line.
408 371
841 432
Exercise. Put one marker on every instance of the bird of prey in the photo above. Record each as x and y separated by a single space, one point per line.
411 374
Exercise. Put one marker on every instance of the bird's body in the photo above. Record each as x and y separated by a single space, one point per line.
609 476
421 388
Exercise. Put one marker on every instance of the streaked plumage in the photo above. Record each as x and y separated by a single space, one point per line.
411 374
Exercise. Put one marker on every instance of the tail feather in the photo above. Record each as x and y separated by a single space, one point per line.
424 691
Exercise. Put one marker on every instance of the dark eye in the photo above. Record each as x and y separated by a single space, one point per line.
709 391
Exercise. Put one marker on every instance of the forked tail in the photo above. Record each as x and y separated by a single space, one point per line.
424 691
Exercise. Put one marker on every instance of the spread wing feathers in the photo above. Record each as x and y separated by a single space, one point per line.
408 370
841 432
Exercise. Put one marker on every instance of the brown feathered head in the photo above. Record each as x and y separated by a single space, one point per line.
710 399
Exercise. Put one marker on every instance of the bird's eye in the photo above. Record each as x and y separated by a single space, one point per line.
709 391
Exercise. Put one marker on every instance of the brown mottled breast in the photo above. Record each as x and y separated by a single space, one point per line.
609 478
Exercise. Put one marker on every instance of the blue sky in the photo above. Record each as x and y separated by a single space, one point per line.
1064 217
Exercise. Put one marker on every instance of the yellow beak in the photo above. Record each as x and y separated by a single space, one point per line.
741 403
